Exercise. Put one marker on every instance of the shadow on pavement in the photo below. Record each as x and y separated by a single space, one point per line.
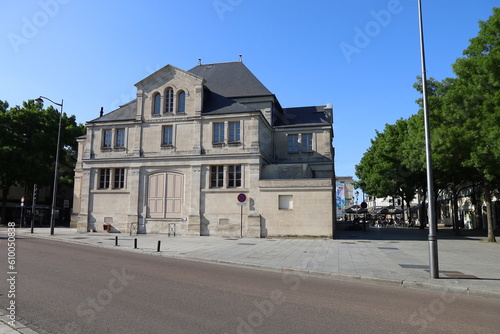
390 233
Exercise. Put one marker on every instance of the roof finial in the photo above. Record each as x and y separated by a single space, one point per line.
199 61
241 58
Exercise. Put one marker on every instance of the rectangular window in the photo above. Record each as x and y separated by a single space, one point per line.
167 135
285 202
234 132
119 178
293 143
234 176
106 138
307 145
104 178
120 138
216 176
218 132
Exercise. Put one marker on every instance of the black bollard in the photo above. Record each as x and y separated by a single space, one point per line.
135 243
159 245
116 241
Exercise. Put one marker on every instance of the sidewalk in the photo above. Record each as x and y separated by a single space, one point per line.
393 256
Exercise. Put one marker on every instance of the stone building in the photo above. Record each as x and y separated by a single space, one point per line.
178 156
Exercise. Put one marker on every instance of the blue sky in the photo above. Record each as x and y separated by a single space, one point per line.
360 55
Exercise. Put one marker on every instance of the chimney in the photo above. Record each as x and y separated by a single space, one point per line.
199 61
241 58
101 112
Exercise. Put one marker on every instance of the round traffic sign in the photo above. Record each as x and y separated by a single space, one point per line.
242 198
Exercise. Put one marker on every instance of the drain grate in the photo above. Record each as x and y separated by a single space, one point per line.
80 238
246 244
348 243
391 248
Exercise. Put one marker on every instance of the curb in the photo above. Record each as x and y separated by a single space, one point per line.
19 328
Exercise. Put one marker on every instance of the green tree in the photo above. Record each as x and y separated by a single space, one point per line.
449 140
383 167
28 137
476 100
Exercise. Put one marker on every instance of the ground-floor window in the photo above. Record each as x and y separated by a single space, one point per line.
225 176
165 195
108 177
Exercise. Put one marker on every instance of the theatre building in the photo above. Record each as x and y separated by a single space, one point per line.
208 151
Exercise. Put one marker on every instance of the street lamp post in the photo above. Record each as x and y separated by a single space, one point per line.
433 246
53 206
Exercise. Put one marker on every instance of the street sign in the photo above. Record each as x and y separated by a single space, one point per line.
242 198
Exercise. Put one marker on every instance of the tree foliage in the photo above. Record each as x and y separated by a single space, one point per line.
465 132
28 140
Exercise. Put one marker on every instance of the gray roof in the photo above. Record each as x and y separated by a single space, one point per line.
223 83
313 115
214 103
231 80
125 112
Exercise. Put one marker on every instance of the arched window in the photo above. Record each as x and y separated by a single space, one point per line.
181 102
156 104
169 100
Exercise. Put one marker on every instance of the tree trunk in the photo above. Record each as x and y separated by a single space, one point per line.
454 210
423 211
5 194
489 212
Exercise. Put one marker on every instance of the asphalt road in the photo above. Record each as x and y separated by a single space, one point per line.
68 288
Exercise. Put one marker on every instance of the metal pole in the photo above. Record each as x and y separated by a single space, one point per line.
33 208
433 249
53 208
241 221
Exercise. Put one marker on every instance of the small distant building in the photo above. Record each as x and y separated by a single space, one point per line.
180 154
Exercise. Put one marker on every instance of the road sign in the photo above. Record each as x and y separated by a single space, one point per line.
242 198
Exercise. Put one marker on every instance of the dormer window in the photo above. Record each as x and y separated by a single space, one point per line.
156 104
169 100
181 102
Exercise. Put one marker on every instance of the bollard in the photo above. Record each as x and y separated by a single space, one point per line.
159 245
116 241
135 243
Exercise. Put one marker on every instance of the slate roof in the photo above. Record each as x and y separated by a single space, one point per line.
231 80
125 112
314 115
214 103
225 81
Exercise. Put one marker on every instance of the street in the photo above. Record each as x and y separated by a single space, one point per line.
70 288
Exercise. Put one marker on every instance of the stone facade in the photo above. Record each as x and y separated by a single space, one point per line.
178 156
